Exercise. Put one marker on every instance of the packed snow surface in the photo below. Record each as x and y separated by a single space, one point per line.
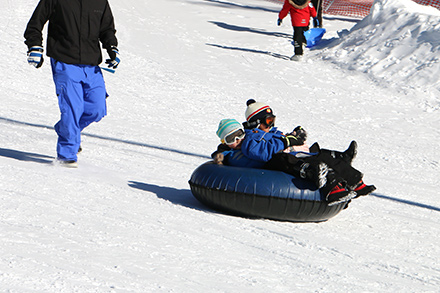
126 221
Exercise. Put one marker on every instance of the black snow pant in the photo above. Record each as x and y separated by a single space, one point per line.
343 171
339 170
299 39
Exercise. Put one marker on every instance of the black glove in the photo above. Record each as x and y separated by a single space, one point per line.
300 133
290 140
114 60
280 21
297 137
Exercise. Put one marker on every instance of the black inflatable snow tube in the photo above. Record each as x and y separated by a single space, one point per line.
260 193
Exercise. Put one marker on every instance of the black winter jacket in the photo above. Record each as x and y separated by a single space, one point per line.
75 29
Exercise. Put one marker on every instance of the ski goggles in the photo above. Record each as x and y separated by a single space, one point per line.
234 136
269 120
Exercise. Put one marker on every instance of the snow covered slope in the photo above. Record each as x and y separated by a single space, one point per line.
397 44
125 220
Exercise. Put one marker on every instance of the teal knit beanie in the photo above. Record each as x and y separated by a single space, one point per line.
227 126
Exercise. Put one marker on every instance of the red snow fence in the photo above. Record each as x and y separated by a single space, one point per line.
352 8
357 8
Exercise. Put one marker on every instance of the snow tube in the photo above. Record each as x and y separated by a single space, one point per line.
313 36
260 193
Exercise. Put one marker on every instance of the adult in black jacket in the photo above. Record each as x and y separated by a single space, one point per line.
76 29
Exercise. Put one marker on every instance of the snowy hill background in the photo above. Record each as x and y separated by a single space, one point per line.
125 220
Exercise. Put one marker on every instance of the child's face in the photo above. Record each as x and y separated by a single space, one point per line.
237 144
234 139
264 128
269 123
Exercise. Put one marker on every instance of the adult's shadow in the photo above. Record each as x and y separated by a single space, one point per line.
250 30
26 156
238 6
181 197
276 55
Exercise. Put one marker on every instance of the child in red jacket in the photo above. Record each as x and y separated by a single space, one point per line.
300 13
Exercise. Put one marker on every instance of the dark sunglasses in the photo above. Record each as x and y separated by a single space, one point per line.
234 136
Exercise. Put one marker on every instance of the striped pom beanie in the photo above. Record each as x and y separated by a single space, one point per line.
256 110
227 126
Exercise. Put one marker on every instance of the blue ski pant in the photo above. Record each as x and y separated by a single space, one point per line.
82 100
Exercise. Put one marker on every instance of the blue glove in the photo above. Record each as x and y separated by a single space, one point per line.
35 56
280 21
114 60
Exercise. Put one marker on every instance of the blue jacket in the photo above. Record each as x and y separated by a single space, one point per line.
261 146
257 148
236 158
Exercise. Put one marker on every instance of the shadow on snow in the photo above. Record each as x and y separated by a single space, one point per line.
181 197
408 202
234 5
113 139
251 30
252 51
25 156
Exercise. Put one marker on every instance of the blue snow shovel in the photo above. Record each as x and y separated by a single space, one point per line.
313 36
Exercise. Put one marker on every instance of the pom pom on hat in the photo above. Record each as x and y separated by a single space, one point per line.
227 126
256 110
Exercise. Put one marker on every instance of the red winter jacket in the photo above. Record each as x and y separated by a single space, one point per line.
300 15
